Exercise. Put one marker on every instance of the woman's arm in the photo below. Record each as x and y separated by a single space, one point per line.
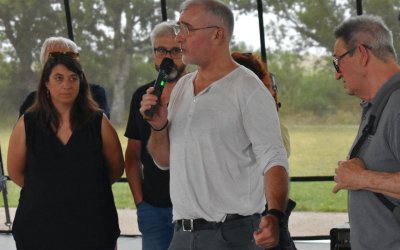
112 150
17 153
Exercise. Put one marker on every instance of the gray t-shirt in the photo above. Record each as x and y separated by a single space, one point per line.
372 225
222 141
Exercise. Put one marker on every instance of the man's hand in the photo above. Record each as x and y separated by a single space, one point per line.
159 119
349 175
267 236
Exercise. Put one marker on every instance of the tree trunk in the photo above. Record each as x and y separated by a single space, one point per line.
121 72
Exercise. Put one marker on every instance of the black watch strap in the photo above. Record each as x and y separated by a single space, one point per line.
275 212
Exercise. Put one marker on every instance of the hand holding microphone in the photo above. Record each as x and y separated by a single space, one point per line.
166 68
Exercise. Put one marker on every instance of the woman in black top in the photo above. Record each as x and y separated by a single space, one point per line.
65 155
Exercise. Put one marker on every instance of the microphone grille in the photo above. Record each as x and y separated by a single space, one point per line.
166 65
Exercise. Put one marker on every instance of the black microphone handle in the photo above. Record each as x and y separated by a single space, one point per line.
158 89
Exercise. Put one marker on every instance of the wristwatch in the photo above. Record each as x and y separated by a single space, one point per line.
275 212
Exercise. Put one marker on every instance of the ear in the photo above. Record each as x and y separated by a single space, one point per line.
365 55
219 34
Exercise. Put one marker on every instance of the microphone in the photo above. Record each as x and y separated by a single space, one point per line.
166 68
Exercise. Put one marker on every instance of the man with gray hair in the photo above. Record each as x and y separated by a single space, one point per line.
220 137
366 62
150 185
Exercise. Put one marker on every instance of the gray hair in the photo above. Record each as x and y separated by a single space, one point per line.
54 42
369 30
161 30
217 9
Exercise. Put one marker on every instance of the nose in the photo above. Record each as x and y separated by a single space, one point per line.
67 83
168 54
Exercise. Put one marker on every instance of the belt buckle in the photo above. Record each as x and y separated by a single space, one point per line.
187 229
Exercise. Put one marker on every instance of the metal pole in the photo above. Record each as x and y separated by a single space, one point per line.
261 27
164 10
8 222
69 20
359 7
5 198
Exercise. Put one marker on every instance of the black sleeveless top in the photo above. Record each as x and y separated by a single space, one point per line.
66 201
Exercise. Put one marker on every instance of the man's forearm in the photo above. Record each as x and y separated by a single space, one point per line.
276 183
380 182
158 147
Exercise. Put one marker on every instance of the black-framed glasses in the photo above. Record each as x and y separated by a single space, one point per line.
70 54
186 29
350 51
174 52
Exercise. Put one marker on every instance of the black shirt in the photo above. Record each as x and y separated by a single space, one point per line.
155 181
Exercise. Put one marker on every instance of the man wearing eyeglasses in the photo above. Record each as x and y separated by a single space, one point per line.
366 62
221 140
150 185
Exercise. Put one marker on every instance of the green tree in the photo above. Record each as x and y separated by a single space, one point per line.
314 21
108 32
116 50
389 11
21 27
118 31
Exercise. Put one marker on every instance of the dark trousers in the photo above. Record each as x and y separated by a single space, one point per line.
235 235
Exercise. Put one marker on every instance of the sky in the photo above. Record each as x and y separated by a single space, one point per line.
246 30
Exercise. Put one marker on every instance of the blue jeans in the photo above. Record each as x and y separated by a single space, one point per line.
155 224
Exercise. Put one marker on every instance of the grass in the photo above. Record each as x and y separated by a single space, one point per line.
315 150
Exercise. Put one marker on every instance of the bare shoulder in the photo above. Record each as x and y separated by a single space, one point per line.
107 128
20 125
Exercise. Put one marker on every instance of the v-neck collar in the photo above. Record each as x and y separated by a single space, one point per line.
59 140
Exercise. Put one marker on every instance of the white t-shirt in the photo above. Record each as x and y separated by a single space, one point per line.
222 141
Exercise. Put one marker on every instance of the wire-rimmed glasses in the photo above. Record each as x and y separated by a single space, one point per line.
185 29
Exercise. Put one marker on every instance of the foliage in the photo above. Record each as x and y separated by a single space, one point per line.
389 11
314 21
116 51
108 32
306 84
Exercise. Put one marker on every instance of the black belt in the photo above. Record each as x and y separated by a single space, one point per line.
190 225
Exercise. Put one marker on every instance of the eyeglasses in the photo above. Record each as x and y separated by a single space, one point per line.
350 51
273 81
161 52
70 54
186 30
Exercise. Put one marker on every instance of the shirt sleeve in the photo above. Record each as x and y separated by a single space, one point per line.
261 123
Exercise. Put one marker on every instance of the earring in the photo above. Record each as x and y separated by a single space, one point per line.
48 94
